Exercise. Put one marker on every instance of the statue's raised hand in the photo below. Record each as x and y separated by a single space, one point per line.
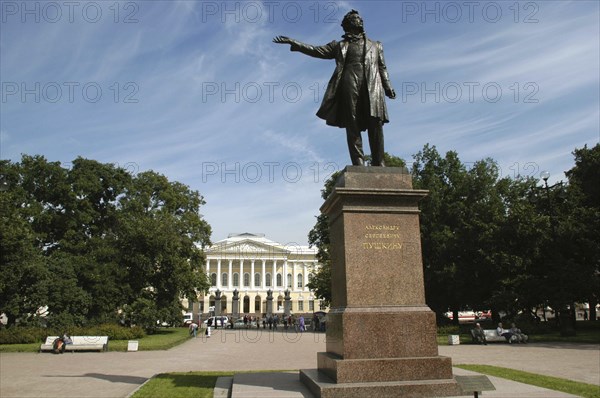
283 40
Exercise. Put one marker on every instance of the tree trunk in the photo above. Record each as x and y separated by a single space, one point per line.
593 314
564 317
495 316
455 317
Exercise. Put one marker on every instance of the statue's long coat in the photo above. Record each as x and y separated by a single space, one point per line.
376 75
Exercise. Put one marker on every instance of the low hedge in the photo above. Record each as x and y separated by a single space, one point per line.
26 335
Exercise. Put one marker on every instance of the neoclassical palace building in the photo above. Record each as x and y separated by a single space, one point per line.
252 265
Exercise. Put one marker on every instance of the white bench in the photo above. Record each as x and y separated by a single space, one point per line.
491 336
80 343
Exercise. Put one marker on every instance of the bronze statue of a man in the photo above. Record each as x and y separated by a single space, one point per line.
354 96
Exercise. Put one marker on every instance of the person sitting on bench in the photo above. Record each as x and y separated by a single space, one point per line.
504 333
479 335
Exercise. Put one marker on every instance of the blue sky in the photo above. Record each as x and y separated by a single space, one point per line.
197 91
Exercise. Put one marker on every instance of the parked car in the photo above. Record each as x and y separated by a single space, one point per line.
483 315
187 319
470 316
463 316
239 324
217 321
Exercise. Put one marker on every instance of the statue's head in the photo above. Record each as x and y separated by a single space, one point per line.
352 22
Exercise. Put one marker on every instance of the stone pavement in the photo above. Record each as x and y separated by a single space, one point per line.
117 374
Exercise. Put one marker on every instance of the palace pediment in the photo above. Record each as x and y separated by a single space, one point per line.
247 249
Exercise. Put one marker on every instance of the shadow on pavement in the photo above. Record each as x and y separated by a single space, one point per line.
111 378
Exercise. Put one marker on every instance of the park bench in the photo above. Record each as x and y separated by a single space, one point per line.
491 336
80 343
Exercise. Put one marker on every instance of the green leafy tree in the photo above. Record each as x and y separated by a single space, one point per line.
442 216
318 237
25 279
87 240
581 228
162 240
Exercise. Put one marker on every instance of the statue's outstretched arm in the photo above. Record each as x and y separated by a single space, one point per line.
284 40
326 52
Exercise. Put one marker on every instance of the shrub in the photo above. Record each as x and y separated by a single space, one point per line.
22 335
448 329
116 332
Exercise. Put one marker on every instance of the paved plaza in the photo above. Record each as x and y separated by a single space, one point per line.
117 374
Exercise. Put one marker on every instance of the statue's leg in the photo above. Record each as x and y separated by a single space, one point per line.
355 146
376 141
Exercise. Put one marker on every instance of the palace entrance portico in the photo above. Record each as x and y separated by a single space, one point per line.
252 265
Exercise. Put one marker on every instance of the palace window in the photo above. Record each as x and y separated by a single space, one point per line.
311 305
257 280
246 279
299 283
213 279
236 279
224 279
279 280
268 280
300 305
289 280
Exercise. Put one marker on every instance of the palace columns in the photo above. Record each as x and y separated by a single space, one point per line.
305 275
252 274
218 273
230 276
294 276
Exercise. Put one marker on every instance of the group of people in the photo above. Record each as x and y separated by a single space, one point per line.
514 334
272 321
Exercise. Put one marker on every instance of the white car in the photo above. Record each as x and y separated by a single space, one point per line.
217 321
239 324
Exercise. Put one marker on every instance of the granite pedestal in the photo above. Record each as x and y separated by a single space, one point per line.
381 336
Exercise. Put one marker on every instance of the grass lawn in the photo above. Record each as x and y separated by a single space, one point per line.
549 382
201 384
163 339
591 336
180 385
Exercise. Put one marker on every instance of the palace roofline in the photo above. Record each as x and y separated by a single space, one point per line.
233 239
